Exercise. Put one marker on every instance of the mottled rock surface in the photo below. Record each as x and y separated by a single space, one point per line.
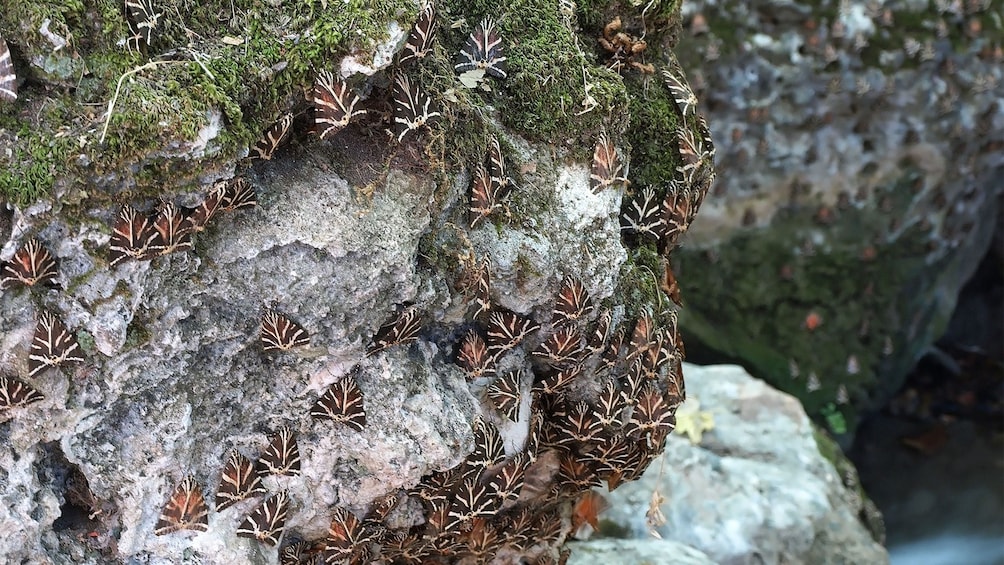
755 489
176 376
860 167
633 552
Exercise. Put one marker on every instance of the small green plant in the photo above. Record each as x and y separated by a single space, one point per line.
835 420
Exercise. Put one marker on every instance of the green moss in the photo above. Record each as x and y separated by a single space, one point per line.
868 513
652 135
36 162
169 103
752 300
86 341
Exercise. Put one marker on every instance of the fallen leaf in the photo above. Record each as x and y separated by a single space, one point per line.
692 422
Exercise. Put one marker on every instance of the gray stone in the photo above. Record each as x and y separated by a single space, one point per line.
633 552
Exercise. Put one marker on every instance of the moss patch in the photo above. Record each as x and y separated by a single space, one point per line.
759 292
162 110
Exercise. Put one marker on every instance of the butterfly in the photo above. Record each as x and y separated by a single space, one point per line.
8 78
267 522
562 347
237 481
474 358
185 509
171 233
482 287
15 392
676 213
282 456
607 167
196 219
643 216
421 36
343 403
272 138
683 96
470 500
505 394
508 482
346 534
239 193
488 446
481 540
581 425
609 405
30 265
334 105
143 19
651 414
279 333
558 380
52 345
403 327
131 238
483 50
600 333
411 106
507 329
484 197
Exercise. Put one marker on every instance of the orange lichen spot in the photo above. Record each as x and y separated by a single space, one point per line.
812 321
974 27
824 215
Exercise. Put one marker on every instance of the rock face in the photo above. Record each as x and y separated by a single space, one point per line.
345 230
754 489
175 377
860 169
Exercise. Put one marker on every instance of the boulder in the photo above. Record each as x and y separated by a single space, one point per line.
859 174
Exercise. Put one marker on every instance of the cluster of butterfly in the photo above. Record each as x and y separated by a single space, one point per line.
52 344
490 185
135 235
335 104
566 354
665 215
240 479
458 527
142 236
342 402
479 507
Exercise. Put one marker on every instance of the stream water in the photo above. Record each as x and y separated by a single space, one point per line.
942 506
